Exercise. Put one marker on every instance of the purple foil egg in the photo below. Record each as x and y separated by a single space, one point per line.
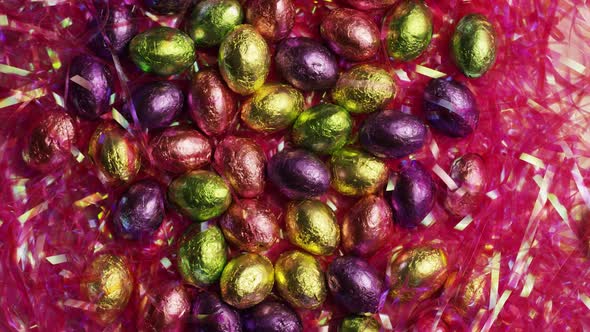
156 104
91 85
306 64
391 134
450 107
355 285
299 174
167 309
140 210
118 28
413 196
209 314
271 316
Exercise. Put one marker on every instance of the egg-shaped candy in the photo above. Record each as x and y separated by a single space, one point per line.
250 226
298 174
162 51
355 172
107 284
212 105
273 19
167 309
392 134
474 45
271 316
212 20
470 176
202 256
247 280
473 293
115 27
364 89
413 195
156 104
311 225
180 149
200 195
167 7
210 314
91 86
300 280
323 128
242 162
367 226
306 64
370 4
351 34
359 324
244 59
272 108
407 30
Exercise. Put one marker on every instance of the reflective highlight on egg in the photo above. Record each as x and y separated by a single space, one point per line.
50 141
351 34
180 149
470 175
201 256
91 85
250 225
271 316
364 89
323 128
210 314
450 107
356 173
242 163
474 45
272 18
162 51
370 4
414 194
407 30
167 310
156 104
367 226
246 280
272 108
117 25
311 225
300 280
212 20
359 324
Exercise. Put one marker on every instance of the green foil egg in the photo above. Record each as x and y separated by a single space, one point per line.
200 195
408 30
202 256
474 45
247 280
359 324
244 59
300 280
364 89
162 50
212 20
323 128
311 225
355 172
272 108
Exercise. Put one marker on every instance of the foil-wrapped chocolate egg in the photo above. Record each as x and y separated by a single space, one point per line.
200 195
356 173
311 225
364 89
202 256
162 51
242 163
180 149
50 141
392 134
168 309
474 45
167 7
244 59
450 107
370 4
414 194
470 176
359 324
212 20
247 280
140 211
354 285
473 294
407 30
210 314
250 226
298 174
306 64
91 85
272 108
417 273
107 283
273 19
115 154
367 226
323 128
115 27
271 316
156 104
351 34
300 280
212 105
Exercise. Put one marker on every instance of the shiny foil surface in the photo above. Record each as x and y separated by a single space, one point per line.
91 86
364 89
414 194
250 226
180 149
312 226
359 324
166 7
246 280
474 45
210 314
300 280
212 20
323 129
114 28
470 175
156 104
272 108
272 18
201 256
368 5
407 30
356 173
271 315
167 309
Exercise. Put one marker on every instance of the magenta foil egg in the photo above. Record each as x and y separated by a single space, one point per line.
250 226
370 4
470 176
180 149
156 104
90 86
210 314
273 19
118 28
167 310
414 194
351 34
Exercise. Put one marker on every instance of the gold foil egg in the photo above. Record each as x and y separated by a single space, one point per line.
474 45
107 283
272 108
364 89
407 29
360 324
311 225
300 280
244 59
247 280
202 256
355 172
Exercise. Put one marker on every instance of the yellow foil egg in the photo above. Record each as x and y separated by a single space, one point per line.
407 29
107 283
355 172
244 59
247 280
311 225
272 108
300 280
474 45
364 89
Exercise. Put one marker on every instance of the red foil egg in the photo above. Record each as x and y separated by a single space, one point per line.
180 149
167 310
250 225
370 4
242 162
212 104
470 176
351 34
273 19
